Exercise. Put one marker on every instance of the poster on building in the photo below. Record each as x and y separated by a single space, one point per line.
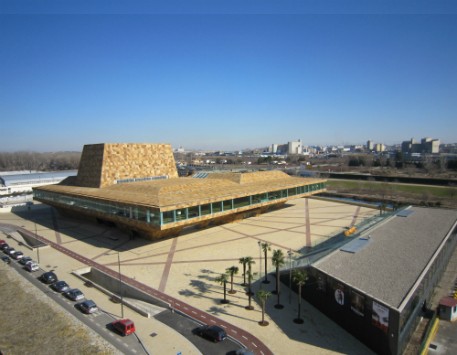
321 283
339 295
358 303
380 316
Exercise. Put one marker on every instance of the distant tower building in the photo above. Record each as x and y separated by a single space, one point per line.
295 147
430 146
379 147
370 146
273 148
426 146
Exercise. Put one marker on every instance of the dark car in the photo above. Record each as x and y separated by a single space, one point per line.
4 246
87 306
48 277
60 286
11 251
74 294
212 332
25 260
7 249
18 255
6 259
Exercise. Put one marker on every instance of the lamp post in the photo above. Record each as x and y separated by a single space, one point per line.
289 253
260 257
38 248
120 284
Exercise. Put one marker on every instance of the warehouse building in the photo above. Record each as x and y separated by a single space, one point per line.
137 188
378 285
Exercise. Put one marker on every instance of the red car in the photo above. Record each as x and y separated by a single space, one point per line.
123 326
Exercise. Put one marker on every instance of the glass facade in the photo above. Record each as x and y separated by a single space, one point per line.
156 217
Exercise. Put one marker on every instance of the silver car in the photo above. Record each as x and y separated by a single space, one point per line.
74 294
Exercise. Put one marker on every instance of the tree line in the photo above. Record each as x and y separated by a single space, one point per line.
17 161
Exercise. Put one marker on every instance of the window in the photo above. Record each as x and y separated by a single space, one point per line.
206 209
217 207
193 212
241 202
168 217
227 205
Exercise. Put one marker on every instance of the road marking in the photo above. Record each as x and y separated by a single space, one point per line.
254 344
243 336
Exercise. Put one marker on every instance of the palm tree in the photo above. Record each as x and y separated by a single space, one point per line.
263 295
265 248
244 261
299 277
223 281
250 293
232 270
278 260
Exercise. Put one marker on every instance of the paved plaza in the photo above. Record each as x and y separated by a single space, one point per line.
186 268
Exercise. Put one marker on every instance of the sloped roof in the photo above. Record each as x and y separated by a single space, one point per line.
181 192
400 249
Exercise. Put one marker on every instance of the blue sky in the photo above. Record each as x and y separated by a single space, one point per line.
220 77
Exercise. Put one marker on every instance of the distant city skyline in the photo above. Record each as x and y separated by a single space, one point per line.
226 79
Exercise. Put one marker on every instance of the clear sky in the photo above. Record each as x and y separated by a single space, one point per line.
225 75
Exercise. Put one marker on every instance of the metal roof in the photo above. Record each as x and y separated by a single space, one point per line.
35 177
400 249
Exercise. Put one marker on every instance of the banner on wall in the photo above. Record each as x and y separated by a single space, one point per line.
358 303
380 316
339 295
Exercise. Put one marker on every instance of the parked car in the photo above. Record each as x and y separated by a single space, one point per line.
123 326
7 249
6 259
4 246
74 294
212 332
87 306
24 260
10 251
60 286
2 242
32 266
18 255
48 277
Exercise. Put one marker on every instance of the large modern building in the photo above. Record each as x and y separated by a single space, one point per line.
377 285
136 187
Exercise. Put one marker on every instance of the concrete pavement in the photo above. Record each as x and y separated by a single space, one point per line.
186 267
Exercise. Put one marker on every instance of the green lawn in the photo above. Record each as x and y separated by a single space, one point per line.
391 189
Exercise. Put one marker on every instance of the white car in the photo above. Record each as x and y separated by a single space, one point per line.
32 266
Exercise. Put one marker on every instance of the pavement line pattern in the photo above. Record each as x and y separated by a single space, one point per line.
166 270
242 336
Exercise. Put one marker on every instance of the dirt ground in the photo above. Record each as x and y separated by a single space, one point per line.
40 325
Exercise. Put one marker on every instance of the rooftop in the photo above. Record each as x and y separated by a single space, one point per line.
181 192
398 250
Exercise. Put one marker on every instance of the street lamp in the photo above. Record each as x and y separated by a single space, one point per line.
260 257
289 253
38 248
120 284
